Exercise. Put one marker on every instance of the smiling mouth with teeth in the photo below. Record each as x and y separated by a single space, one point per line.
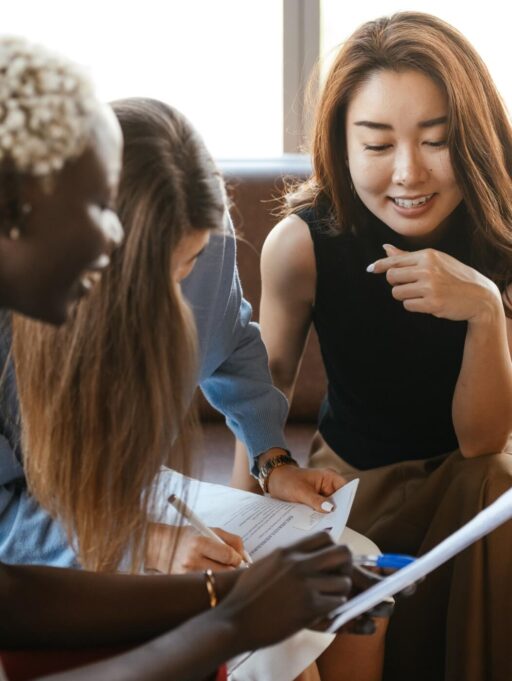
412 203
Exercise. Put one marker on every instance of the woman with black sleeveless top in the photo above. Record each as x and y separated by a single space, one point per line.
399 250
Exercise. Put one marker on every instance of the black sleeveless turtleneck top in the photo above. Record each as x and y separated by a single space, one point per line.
391 373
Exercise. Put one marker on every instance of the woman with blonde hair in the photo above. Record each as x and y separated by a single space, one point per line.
399 250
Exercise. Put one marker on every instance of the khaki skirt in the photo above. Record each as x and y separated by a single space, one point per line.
458 626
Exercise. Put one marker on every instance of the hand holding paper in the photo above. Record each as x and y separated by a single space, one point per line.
263 523
486 521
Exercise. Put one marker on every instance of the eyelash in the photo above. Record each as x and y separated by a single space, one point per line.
376 147
384 147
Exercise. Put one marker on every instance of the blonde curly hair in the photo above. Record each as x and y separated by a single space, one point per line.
46 107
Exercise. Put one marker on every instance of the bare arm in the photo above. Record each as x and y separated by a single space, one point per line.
288 271
482 402
284 592
169 656
44 606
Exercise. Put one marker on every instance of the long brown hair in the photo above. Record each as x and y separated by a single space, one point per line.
479 131
103 398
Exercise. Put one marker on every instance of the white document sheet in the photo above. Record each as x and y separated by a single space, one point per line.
263 523
286 660
486 521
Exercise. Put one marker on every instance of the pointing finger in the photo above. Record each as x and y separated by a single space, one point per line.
384 264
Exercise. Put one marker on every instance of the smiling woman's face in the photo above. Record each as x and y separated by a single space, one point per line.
398 158
69 231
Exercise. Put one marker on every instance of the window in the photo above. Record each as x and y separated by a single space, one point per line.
485 26
219 62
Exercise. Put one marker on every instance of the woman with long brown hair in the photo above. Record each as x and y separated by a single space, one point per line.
135 322
60 161
130 367
98 424
399 250
105 397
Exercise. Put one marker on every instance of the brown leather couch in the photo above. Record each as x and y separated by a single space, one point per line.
253 187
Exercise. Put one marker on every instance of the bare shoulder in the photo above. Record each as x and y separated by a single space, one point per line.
288 256
290 241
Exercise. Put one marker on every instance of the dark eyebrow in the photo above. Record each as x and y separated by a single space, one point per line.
373 125
433 122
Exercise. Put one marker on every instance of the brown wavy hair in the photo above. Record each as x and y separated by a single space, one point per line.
103 398
479 131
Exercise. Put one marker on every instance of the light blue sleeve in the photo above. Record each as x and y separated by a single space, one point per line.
27 533
234 375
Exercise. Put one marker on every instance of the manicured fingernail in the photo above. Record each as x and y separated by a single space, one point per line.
327 506
371 267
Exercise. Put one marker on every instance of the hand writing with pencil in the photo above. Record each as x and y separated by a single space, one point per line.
177 550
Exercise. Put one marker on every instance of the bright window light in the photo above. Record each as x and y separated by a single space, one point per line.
486 25
219 62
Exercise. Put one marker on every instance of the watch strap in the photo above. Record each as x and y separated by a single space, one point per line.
269 466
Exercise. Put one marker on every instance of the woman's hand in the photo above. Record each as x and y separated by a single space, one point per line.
288 590
178 550
310 486
433 282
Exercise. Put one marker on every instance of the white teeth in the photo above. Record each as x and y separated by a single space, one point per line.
412 203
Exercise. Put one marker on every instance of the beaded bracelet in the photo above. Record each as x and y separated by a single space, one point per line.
209 580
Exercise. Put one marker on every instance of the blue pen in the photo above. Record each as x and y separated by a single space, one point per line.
389 561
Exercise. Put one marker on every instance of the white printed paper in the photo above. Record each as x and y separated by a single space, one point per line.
263 523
